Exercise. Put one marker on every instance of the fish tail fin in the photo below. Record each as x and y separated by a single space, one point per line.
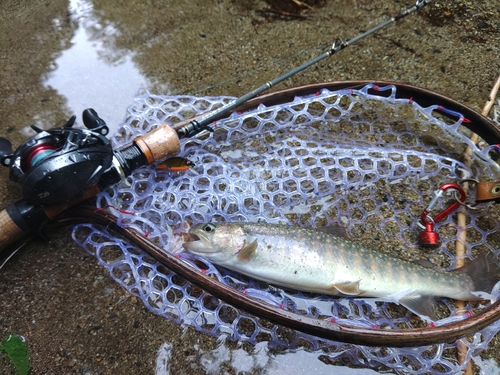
483 271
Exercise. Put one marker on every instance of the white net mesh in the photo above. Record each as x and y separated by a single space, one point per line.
364 162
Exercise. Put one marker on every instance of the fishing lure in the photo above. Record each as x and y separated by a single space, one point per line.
176 164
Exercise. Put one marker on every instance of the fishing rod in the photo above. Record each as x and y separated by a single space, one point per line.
61 167
197 125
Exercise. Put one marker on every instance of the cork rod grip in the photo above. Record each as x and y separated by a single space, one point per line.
9 231
159 143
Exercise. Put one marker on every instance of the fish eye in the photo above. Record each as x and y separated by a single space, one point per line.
209 227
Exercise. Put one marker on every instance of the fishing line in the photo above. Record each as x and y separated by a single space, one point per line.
11 255
200 124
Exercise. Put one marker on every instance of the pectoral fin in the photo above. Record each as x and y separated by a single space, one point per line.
246 253
420 305
350 288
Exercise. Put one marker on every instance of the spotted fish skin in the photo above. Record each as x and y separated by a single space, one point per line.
316 261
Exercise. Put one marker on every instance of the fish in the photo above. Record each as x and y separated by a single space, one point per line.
325 261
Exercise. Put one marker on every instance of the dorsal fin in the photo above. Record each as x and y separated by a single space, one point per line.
424 263
247 251
334 231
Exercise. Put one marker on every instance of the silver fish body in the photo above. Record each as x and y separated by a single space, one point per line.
316 261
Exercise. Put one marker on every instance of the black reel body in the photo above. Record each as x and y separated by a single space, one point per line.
60 164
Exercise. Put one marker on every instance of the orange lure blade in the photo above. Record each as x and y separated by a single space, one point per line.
175 164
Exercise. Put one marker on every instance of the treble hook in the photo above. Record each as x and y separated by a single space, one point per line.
429 236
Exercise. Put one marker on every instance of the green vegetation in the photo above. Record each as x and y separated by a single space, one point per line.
17 351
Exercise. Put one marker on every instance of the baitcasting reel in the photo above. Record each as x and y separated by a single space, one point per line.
61 167
60 164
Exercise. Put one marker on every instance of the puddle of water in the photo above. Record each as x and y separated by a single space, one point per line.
260 361
92 73
263 362
487 366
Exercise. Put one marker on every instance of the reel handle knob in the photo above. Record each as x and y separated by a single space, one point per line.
93 122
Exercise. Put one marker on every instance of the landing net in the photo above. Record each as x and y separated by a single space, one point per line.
368 163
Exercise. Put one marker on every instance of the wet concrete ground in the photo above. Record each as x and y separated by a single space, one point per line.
58 58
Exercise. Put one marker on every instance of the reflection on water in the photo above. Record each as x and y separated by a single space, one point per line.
223 360
261 361
94 73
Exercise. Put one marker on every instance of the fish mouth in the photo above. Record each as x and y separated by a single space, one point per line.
199 243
